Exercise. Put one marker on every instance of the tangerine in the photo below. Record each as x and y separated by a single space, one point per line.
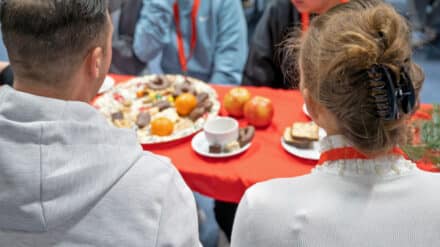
162 126
185 103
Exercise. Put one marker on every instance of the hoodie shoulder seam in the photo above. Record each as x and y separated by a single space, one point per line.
41 178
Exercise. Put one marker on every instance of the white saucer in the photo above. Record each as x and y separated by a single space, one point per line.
107 84
200 145
304 109
305 153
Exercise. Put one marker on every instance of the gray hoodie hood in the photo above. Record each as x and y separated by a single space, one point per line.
54 160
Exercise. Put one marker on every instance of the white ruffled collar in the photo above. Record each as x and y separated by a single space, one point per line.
384 166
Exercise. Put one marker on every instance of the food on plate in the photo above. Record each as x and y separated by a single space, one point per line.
307 131
136 104
301 134
295 142
169 113
204 104
197 113
207 105
202 97
162 105
231 147
235 100
185 103
215 149
245 135
117 116
162 126
159 83
185 87
259 111
143 119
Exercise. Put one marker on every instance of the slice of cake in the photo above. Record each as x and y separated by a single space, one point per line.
306 131
301 135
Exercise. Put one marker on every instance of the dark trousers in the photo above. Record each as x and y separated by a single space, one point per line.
7 76
224 214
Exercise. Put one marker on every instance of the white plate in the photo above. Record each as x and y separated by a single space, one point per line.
107 104
304 108
107 84
200 145
306 153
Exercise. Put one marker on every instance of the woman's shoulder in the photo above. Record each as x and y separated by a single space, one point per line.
282 187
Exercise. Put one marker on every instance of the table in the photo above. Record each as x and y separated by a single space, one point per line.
227 179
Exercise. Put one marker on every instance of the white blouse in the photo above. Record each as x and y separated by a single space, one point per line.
384 201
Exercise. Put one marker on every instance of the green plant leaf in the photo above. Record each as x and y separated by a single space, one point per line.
429 148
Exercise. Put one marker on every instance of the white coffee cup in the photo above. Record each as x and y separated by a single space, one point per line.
221 130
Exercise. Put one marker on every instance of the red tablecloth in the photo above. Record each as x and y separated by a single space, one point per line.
227 179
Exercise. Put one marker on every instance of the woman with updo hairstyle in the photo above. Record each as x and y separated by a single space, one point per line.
360 85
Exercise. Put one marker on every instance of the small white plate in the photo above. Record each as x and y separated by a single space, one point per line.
200 145
305 153
304 108
107 84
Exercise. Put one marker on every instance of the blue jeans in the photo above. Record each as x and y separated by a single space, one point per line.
208 228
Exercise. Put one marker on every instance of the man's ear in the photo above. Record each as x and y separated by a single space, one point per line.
95 59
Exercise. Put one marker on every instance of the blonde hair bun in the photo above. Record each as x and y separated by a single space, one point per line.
336 57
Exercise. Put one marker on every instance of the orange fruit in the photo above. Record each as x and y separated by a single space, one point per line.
185 103
162 126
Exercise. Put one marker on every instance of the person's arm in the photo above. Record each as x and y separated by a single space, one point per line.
178 224
231 49
124 19
153 28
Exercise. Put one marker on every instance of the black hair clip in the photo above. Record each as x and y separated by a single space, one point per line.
392 95
407 92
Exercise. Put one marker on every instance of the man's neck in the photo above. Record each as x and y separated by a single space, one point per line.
39 89
69 90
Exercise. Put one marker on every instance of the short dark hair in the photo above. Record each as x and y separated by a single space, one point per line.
48 39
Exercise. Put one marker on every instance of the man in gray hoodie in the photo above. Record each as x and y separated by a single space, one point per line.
68 178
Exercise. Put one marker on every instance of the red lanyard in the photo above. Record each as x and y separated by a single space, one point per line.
181 48
305 18
348 153
305 21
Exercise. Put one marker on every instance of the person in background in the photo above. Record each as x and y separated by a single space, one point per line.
253 10
359 84
125 14
263 66
206 40
425 17
202 39
67 177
